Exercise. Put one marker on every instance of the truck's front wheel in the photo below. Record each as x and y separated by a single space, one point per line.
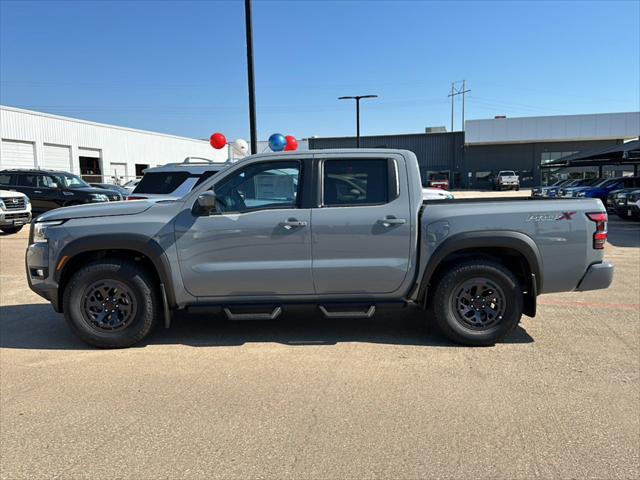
477 303
111 303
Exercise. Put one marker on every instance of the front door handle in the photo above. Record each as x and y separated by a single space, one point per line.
293 223
391 220
37 191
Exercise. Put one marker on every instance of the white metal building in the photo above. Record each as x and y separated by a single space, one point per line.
559 128
31 139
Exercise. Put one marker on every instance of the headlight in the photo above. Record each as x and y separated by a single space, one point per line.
40 230
99 197
2 207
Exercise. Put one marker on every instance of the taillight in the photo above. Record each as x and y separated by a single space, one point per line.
600 235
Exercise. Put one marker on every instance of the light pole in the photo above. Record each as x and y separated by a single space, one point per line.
357 99
250 75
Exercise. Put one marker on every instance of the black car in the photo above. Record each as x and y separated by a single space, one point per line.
49 189
110 186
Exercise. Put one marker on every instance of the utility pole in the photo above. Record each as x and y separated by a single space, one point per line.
455 91
252 87
452 95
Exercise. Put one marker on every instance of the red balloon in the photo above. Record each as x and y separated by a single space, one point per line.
292 143
218 141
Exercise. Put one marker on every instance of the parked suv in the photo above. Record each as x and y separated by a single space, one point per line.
175 180
15 211
624 203
49 189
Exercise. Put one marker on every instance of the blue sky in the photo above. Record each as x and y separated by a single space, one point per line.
179 67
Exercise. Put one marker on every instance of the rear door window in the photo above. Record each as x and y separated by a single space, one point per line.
28 180
161 182
356 182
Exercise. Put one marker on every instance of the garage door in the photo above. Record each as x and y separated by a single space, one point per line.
57 157
119 170
16 154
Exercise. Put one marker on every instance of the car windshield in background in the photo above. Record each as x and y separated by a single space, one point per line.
72 181
161 182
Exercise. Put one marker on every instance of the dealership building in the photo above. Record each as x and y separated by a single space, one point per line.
531 146
98 152
470 159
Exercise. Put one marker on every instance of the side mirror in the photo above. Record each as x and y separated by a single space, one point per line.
206 202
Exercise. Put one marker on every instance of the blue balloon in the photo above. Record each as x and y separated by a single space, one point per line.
277 142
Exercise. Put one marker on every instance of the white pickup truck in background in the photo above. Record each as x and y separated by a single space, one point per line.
15 211
507 179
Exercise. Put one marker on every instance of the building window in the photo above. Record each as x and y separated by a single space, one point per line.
546 157
483 176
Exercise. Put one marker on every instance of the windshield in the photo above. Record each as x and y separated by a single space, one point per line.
601 182
68 180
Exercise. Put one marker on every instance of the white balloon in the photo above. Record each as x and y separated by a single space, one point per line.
240 146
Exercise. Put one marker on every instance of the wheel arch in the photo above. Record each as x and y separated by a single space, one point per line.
133 247
515 250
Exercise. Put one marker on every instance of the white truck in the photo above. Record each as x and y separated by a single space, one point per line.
15 211
506 180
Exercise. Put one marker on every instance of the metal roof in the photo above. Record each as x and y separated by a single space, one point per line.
623 153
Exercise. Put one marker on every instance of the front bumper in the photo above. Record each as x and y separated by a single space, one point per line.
39 275
14 219
598 276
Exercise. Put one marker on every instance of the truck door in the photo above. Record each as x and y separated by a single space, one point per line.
258 242
362 230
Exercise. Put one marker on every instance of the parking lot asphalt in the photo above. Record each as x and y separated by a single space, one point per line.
305 397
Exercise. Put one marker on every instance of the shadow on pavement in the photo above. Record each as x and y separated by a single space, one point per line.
623 233
37 326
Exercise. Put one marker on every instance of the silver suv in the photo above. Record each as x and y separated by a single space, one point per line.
174 180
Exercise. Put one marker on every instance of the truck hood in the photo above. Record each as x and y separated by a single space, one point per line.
10 194
96 210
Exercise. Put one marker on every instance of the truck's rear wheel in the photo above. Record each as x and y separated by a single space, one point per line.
477 302
111 303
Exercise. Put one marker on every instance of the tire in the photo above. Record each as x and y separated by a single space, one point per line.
478 328
517 189
11 229
133 297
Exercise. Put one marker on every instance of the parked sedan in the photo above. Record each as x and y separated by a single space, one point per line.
110 186
576 184
543 191
602 189
436 194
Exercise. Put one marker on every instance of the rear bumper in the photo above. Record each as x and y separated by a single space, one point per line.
598 276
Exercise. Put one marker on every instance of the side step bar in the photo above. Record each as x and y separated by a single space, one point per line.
275 313
368 313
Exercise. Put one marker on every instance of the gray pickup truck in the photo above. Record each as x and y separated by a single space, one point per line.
345 231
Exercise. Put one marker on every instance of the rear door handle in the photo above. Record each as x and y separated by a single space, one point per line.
293 223
391 220
37 191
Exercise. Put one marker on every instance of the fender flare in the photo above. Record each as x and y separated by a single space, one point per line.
517 241
127 241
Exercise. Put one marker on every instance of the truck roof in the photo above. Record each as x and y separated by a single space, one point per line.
332 151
